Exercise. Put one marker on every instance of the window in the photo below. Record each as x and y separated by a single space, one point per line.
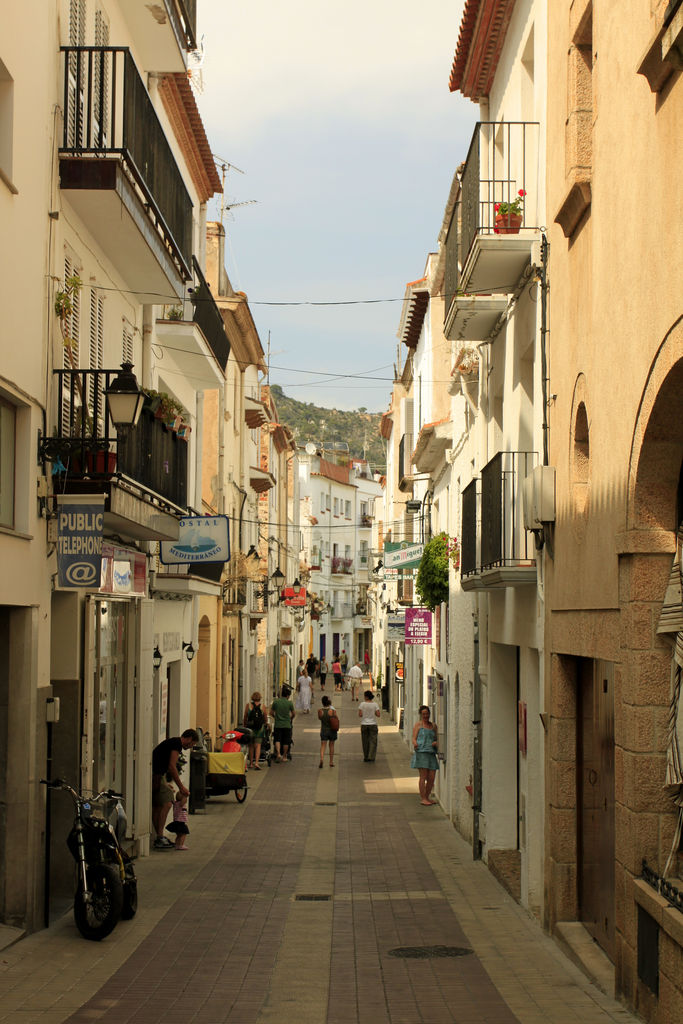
7 438
72 331
347 509
127 349
322 503
336 506
96 353
6 126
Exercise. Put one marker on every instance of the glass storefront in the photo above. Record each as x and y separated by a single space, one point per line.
111 631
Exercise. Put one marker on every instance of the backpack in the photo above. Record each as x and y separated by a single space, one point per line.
255 718
332 720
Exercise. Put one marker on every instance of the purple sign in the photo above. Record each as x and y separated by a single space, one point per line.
418 626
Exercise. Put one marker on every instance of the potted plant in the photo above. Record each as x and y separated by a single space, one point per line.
432 576
467 361
509 215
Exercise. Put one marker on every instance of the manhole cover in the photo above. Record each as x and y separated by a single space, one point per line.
428 952
312 897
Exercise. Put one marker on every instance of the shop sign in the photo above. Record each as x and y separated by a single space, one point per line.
124 571
396 627
402 555
399 671
292 599
418 626
200 539
80 520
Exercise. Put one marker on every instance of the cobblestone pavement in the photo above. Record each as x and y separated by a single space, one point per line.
312 903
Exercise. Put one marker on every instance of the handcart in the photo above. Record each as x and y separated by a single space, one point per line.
227 773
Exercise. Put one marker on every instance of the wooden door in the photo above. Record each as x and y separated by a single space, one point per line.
595 778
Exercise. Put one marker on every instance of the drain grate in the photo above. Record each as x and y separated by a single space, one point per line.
312 897
428 952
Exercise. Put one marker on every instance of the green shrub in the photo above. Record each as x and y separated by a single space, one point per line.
432 576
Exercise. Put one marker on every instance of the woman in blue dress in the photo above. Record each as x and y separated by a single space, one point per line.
425 747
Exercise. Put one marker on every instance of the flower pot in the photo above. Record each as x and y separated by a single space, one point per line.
102 463
507 223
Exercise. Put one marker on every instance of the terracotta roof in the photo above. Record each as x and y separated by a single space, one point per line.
333 472
386 425
417 300
181 107
482 34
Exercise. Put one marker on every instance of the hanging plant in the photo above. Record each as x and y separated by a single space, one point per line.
453 546
432 576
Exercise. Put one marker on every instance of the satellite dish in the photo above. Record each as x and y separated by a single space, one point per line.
310 448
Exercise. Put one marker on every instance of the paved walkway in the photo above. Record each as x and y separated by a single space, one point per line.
302 905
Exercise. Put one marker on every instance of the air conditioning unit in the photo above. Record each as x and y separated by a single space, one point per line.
538 496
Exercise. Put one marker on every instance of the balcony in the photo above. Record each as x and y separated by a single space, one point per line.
405 474
496 550
480 257
366 519
142 472
118 172
342 566
199 347
163 32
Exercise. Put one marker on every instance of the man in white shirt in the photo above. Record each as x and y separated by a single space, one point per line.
368 712
355 676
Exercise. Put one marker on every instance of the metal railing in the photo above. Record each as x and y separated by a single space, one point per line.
208 317
188 14
469 562
502 161
108 112
504 540
670 892
149 454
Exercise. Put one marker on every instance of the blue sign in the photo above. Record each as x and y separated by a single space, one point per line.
80 520
200 539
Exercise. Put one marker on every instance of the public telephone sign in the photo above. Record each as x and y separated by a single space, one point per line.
80 521
418 626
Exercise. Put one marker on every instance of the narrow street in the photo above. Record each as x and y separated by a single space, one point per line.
293 906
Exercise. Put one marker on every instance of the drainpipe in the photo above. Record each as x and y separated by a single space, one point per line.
544 356
476 752
198 446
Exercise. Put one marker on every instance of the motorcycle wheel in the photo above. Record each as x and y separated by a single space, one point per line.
130 899
97 918
130 890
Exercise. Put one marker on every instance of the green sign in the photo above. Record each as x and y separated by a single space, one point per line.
404 554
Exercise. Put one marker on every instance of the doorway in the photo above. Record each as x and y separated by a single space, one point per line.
595 800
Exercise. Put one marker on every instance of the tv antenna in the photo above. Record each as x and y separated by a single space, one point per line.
226 166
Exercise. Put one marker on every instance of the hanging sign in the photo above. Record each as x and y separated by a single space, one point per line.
418 626
292 599
396 627
402 555
124 571
200 539
80 519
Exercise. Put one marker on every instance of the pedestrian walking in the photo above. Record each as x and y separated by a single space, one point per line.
425 747
368 712
164 771
337 673
283 714
256 720
354 677
324 669
366 659
343 660
329 727
304 690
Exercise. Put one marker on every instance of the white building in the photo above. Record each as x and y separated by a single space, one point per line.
337 514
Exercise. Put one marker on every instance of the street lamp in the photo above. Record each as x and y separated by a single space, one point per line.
296 587
156 657
124 398
189 651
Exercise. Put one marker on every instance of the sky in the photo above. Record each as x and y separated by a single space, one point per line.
340 117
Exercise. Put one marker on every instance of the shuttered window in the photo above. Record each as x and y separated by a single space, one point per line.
71 356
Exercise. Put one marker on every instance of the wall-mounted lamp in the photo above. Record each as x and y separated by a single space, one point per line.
124 398
253 553
189 651
156 657
296 587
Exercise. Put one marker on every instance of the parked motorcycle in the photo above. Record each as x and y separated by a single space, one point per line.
106 887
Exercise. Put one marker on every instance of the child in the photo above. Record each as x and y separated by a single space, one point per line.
179 823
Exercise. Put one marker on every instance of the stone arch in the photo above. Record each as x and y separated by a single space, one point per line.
579 454
657 443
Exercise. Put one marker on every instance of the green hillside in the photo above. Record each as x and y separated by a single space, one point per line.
358 428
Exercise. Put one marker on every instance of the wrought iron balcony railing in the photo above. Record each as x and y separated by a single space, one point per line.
502 161
84 446
208 317
108 112
504 540
469 560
